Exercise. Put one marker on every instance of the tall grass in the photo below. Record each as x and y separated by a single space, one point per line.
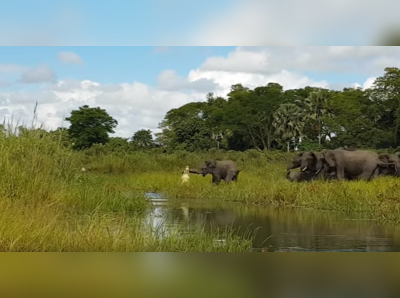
48 204
262 181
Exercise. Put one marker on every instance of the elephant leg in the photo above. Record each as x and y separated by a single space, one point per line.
376 173
235 177
367 175
340 172
229 177
216 179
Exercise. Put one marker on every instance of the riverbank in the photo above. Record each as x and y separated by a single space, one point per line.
379 198
55 199
49 201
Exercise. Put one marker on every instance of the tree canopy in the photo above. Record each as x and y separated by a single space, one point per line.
264 118
271 118
90 126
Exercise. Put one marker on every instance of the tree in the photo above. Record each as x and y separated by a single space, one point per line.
143 139
186 128
317 108
250 112
61 135
386 93
288 123
116 144
354 121
90 126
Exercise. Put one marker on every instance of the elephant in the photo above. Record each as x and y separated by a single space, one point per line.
346 148
357 164
312 162
297 176
221 170
393 170
295 162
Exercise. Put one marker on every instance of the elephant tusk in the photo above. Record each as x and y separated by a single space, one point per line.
318 171
396 168
303 169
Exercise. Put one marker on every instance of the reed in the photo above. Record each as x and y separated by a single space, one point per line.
47 203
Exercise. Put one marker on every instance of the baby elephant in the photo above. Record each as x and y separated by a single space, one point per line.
297 176
221 170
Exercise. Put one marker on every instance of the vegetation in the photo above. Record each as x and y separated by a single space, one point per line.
90 126
270 118
48 203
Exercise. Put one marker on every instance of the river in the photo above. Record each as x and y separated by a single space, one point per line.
281 229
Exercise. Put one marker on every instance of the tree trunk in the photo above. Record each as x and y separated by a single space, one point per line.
288 146
319 131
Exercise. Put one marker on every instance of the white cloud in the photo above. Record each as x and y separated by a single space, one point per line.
309 22
240 60
133 105
40 74
70 57
369 83
269 60
170 80
226 79
138 106
12 68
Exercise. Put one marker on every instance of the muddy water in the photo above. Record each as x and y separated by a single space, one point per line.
280 230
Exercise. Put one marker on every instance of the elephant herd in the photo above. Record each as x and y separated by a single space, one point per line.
340 163
349 164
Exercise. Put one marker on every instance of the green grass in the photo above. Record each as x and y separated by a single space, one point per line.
48 204
379 198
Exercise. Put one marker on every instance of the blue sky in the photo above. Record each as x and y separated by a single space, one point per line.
114 64
139 85
111 23
182 22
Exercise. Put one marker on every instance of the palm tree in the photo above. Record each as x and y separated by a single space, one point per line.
288 123
316 108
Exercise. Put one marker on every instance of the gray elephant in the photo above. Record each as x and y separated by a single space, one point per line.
357 164
221 170
393 170
297 176
346 148
310 162
295 162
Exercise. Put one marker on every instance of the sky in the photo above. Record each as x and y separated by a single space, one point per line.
139 85
195 22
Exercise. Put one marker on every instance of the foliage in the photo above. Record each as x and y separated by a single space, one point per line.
143 139
90 126
263 118
270 118
288 123
49 204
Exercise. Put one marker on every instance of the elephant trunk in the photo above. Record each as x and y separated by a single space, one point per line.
193 171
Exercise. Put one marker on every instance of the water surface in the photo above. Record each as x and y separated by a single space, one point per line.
280 229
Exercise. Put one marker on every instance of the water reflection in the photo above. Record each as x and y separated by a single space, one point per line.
278 229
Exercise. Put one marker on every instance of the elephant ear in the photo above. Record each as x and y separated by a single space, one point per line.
319 158
329 158
384 157
211 163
